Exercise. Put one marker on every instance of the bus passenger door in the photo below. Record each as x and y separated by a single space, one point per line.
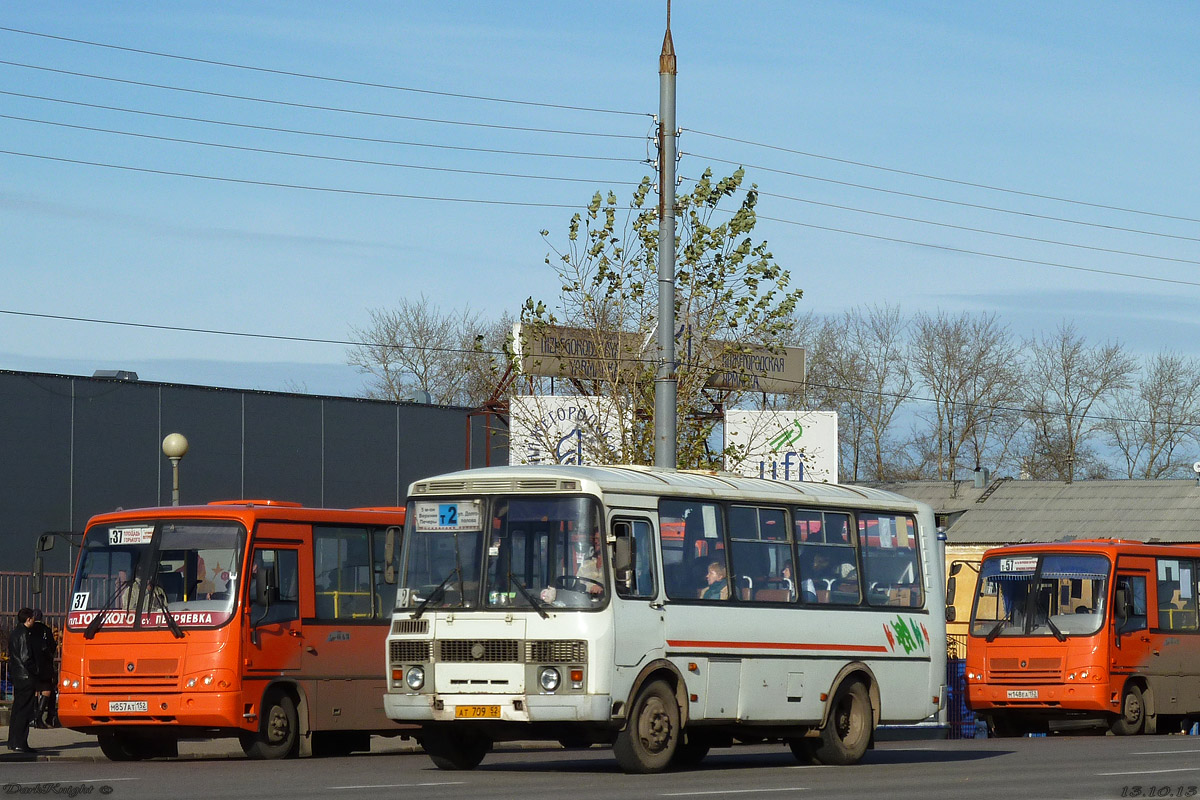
637 618
1134 650
273 636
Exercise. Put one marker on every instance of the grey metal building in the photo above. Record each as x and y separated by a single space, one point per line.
71 447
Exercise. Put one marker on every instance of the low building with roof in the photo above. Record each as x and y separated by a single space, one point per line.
980 514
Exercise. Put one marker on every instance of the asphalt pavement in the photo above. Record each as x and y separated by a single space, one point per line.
62 744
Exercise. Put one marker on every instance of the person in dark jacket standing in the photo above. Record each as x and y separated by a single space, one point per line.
45 651
22 671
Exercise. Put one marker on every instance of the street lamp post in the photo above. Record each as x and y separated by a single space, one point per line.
175 447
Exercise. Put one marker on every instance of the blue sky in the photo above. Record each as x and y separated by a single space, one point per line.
1091 102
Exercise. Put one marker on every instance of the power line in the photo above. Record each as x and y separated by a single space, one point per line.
970 229
982 253
346 137
317 156
523 204
464 351
278 185
943 179
943 200
310 76
313 107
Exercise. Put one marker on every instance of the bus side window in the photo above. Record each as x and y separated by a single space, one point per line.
635 542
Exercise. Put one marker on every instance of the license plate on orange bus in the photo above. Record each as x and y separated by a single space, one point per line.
477 712
1022 694
127 706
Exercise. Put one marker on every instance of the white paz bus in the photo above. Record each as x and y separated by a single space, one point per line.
664 612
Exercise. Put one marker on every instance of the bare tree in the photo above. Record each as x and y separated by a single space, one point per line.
866 380
1065 380
1155 424
969 365
418 347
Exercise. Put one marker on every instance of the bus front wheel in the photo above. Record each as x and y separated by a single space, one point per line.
278 730
651 734
692 750
1132 718
455 751
847 732
131 747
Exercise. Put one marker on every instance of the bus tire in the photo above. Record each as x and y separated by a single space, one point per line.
1132 717
455 751
691 750
278 734
650 737
847 732
132 747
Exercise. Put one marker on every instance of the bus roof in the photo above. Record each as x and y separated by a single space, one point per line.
249 510
639 480
1110 547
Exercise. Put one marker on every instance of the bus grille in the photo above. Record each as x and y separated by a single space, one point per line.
1033 670
410 626
556 651
486 650
408 652
137 668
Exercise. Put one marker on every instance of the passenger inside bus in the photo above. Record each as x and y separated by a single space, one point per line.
718 584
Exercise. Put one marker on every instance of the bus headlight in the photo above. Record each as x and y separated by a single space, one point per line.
415 678
549 678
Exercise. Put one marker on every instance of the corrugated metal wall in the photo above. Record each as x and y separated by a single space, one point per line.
72 447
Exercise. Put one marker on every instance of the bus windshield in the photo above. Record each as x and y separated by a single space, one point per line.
536 553
1040 595
546 552
137 573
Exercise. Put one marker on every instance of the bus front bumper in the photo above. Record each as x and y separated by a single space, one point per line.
1067 696
505 708
82 711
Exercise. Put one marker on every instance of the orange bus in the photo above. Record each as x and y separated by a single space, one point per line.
1094 631
258 619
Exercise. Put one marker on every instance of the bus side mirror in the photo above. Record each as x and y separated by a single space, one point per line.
951 613
389 555
264 584
36 585
955 567
623 555
1122 609
45 542
950 590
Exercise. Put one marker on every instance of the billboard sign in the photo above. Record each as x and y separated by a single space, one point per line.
556 429
783 445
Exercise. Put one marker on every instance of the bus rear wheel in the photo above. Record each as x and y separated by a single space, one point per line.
455 751
651 734
1132 718
847 732
278 730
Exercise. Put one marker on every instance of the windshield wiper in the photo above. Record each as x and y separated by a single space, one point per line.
537 606
98 620
154 590
995 631
1062 637
436 593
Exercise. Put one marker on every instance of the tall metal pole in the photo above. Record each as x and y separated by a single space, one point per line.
665 423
